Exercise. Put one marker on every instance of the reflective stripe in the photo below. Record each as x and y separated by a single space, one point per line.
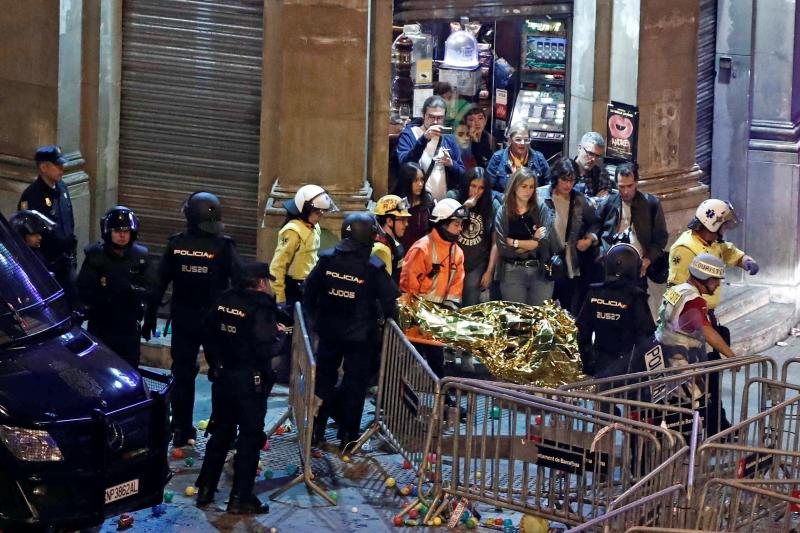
431 295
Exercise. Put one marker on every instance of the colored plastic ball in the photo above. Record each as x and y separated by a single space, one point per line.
423 510
354 509
190 491
413 513
508 522
411 523
273 530
346 458
279 430
406 465
466 516
191 442
268 474
405 491
413 491
533 524
471 523
189 461
478 475
333 495
291 469
437 521
495 413
398 521
432 458
498 521
158 510
124 521
168 496
177 453
390 482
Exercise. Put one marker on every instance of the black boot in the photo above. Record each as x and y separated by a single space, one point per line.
247 505
205 495
181 438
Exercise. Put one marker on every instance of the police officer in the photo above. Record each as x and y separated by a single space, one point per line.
392 214
32 226
48 195
113 283
241 329
615 316
345 295
200 263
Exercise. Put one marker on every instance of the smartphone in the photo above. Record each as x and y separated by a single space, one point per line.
445 130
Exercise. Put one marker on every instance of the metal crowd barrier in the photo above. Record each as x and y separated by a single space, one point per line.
407 402
646 509
303 404
785 367
688 387
533 454
730 505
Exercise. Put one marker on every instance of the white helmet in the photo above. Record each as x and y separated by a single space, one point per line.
461 51
448 208
705 266
309 197
713 214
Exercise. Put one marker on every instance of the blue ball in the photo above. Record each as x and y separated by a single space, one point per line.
465 516
508 522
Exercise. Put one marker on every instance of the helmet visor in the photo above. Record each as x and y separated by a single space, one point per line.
323 202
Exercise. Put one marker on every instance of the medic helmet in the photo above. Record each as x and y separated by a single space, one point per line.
461 51
705 266
623 261
203 211
119 218
713 214
308 198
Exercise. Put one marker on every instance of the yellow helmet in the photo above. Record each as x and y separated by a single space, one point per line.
391 205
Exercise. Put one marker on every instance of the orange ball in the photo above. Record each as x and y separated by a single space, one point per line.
177 453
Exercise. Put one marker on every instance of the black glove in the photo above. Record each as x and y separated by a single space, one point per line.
149 325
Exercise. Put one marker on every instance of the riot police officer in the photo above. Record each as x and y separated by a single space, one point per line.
345 295
113 283
48 195
32 226
200 263
615 316
241 329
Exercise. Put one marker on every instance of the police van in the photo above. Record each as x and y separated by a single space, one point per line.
83 436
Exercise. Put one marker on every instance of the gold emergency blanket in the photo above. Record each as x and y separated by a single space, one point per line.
525 344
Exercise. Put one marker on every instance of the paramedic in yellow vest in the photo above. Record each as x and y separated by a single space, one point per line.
298 243
392 214
706 235
433 268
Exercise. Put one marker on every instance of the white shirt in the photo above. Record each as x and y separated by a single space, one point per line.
626 225
437 181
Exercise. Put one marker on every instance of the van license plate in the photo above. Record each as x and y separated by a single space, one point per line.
123 490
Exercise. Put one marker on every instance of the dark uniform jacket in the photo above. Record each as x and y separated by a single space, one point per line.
115 288
647 218
240 330
348 292
55 204
200 267
618 316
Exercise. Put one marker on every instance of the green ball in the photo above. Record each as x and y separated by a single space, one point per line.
189 461
268 474
333 494
495 413
471 523
168 496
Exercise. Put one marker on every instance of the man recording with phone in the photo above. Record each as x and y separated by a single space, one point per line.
430 144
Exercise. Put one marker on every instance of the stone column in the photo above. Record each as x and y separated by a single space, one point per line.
40 98
321 83
771 229
653 66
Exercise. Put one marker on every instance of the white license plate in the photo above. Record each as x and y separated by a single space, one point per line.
123 490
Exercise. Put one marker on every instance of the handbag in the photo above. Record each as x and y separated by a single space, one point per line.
556 267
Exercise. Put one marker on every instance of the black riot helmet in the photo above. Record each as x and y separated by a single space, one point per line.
203 211
119 217
360 227
623 262
30 222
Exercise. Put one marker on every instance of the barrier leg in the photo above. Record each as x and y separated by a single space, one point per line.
284 417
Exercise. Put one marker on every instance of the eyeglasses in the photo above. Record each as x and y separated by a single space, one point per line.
434 118
591 154
518 140
569 179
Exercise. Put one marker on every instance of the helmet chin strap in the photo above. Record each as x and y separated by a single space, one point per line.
444 234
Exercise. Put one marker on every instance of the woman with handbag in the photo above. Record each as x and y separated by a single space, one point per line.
523 241
575 225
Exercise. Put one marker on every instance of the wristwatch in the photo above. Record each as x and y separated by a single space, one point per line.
515 243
